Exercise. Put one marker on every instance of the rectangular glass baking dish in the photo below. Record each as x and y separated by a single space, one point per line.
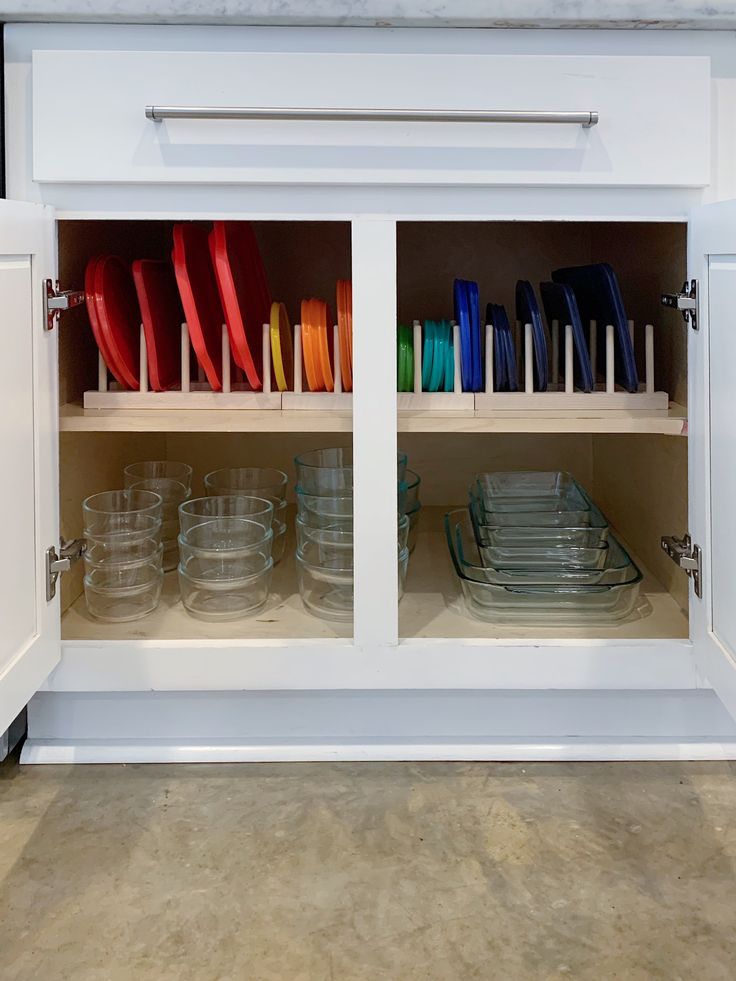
544 603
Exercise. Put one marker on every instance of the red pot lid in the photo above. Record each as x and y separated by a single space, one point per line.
244 291
162 314
200 299
119 318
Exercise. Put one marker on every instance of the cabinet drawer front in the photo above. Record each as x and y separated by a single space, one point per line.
644 106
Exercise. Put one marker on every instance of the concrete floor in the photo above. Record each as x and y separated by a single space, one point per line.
368 871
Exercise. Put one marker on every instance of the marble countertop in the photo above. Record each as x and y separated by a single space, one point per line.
639 14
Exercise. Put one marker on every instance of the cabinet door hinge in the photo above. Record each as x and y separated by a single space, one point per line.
688 556
56 300
61 561
686 302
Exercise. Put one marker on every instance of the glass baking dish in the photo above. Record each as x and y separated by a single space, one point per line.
543 603
582 529
553 555
537 490
618 568
557 501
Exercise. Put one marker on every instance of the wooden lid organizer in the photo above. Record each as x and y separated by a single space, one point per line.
561 398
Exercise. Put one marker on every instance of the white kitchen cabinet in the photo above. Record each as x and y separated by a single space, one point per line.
416 678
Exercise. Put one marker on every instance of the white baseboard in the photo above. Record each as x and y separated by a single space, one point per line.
37 751
152 727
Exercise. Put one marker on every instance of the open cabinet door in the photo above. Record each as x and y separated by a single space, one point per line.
712 444
29 625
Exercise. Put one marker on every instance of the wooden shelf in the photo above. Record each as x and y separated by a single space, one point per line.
286 649
672 424
433 606
73 418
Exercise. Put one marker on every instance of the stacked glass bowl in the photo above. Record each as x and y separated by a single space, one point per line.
173 482
324 531
261 482
533 548
123 558
409 503
225 555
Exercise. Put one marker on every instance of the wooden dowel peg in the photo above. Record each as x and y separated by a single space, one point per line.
528 359
610 360
143 363
337 365
457 385
417 339
489 358
297 358
649 358
593 349
569 375
225 360
266 358
101 373
184 358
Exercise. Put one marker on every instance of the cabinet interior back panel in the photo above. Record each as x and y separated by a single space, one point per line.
302 259
642 101
648 258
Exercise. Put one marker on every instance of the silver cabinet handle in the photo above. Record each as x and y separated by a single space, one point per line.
585 119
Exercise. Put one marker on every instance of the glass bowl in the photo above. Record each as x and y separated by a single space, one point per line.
226 534
404 526
157 470
409 491
330 471
326 588
172 493
121 512
252 481
203 509
326 585
278 546
206 595
403 566
325 541
129 554
121 593
413 517
325 511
